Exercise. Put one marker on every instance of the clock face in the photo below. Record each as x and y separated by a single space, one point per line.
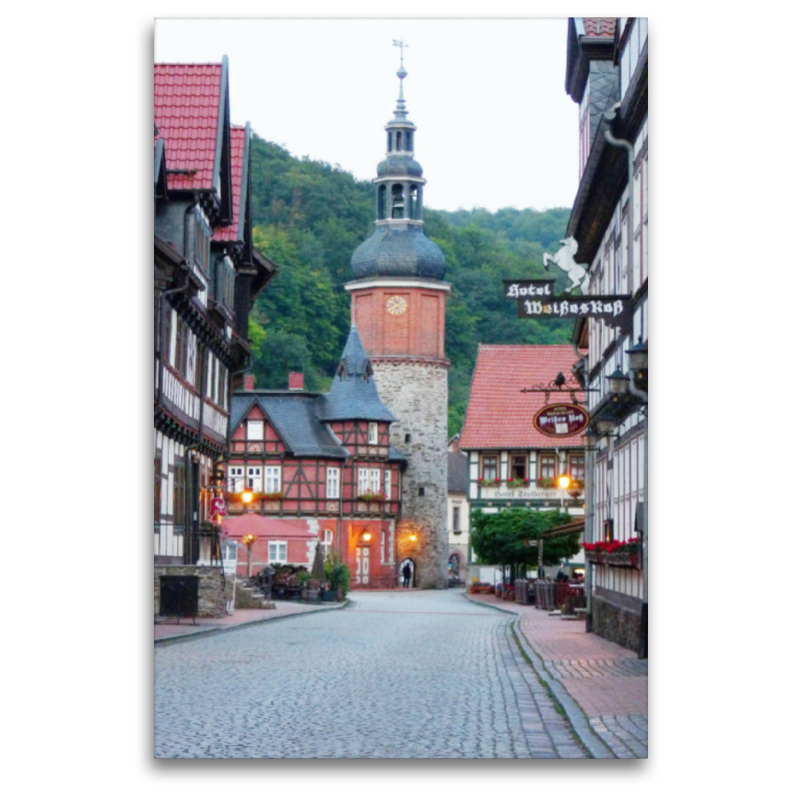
396 305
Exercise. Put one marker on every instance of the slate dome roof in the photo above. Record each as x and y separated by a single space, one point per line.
399 165
403 253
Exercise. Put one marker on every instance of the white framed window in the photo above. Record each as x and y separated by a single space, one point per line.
326 539
235 479
375 481
272 479
229 551
277 553
255 430
387 484
372 432
363 481
332 486
254 479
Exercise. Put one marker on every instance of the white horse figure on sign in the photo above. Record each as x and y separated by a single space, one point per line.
564 259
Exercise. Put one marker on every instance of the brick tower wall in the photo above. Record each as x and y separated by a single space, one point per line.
415 391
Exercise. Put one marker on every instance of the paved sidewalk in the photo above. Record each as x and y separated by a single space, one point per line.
173 631
608 682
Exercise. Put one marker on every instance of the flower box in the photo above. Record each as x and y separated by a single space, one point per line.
372 497
489 482
546 483
516 483
618 559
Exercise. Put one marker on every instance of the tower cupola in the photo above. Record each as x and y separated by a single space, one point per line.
398 247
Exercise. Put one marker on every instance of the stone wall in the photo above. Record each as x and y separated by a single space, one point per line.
617 617
211 592
415 391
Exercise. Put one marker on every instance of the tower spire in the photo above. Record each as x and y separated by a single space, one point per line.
400 112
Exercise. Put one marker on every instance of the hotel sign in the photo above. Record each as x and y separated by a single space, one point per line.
537 299
561 419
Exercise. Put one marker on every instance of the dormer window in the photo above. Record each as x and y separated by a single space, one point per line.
372 433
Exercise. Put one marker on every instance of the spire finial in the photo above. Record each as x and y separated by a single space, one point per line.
401 73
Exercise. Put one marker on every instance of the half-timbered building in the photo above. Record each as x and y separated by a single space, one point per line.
511 463
321 469
206 275
607 77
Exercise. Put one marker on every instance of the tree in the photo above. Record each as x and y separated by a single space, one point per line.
502 537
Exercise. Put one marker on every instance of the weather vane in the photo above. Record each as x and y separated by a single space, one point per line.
401 45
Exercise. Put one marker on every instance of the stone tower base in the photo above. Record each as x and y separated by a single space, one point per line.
415 391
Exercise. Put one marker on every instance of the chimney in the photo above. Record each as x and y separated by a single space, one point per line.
249 382
295 380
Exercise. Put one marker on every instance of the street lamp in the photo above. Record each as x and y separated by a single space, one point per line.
618 382
637 361
247 496
605 424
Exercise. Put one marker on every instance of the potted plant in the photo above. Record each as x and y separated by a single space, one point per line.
546 483
515 483
489 481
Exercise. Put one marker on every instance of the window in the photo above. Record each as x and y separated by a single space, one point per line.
489 468
224 282
272 479
326 539
254 479
332 486
255 430
235 479
202 241
363 481
387 484
519 467
375 481
229 551
456 518
547 466
421 491
372 433
179 493
382 202
577 469
397 200
157 487
277 553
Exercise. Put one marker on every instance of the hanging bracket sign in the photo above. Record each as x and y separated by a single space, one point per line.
537 299
561 419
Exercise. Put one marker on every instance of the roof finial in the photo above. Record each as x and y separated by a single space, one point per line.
400 111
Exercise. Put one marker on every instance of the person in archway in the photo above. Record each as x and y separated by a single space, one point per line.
406 575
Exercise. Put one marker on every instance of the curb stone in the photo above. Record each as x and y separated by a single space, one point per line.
576 716
181 637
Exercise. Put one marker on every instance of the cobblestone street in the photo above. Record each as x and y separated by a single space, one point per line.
395 675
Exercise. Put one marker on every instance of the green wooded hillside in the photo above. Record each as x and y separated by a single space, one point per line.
309 217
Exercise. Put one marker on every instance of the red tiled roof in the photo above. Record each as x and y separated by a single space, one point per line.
599 27
230 233
265 527
499 415
186 100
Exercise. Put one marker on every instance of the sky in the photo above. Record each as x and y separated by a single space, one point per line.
495 127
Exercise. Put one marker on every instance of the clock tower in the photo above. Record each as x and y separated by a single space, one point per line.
398 304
